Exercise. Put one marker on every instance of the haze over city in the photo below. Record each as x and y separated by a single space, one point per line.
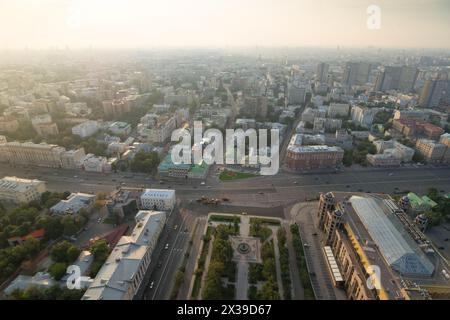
44 24
243 151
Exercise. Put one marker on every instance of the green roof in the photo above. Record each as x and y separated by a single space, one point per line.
199 168
167 164
414 199
430 202
418 201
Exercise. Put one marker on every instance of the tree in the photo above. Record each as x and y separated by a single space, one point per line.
418 157
213 285
65 252
100 250
269 291
58 270
145 162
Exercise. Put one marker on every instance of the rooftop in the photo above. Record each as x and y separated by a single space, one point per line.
116 275
14 184
159 193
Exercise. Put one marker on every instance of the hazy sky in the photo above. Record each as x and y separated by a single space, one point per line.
153 23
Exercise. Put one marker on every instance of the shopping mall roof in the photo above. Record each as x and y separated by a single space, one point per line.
395 249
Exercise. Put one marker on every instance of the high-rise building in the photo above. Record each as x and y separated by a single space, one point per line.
297 94
356 73
363 116
396 78
432 93
322 72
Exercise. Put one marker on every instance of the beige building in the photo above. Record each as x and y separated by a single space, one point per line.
72 159
17 190
123 273
379 253
445 140
432 151
8 124
44 125
43 155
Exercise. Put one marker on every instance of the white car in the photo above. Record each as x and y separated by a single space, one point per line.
202 184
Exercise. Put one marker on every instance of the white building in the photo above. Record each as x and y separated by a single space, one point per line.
86 129
158 199
72 159
156 129
41 280
17 190
73 204
92 163
363 116
121 275
120 128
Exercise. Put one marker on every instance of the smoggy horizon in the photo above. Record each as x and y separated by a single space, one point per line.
139 24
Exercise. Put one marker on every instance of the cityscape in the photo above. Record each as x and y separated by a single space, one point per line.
224 172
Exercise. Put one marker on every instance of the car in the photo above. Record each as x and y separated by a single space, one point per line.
347 186
113 180
313 274
209 187
306 245
151 284
390 174
446 239
175 227
161 182
260 192
75 177
441 248
166 246
314 234
244 213
159 265
360 190
202 183
295 182
99 220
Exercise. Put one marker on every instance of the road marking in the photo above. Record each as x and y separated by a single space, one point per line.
168 259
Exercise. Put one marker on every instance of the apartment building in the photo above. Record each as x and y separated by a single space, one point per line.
17 190
8 124
158 199
156 129
432 151
122 274
86 129
299 157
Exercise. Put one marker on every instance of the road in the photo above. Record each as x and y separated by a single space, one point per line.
261 191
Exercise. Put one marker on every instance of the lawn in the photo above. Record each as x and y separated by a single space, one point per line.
231 175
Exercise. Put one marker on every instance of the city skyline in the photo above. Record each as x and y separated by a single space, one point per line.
174 23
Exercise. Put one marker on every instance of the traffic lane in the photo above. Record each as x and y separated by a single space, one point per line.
168 251
173 264
158 256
